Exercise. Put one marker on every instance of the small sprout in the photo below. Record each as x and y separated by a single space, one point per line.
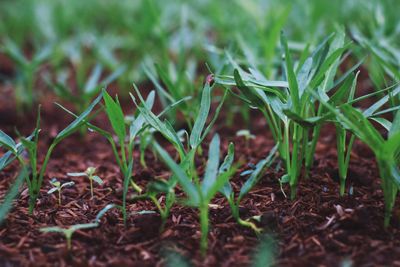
246 134
89 173
70 230
57 186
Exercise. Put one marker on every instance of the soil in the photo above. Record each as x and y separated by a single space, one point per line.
318 228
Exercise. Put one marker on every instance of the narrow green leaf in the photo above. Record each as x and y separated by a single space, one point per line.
395 128
257 173
6 206
138 123
115 116
180 174
201 119
291 76
211 171
76 174
92 82
7 141
226 190
79 121
97 179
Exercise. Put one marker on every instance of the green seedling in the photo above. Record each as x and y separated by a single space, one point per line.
387 151
86 90
201 192
186 154
179 81
68 232
25 93
35 178
246 134
125 142
254 177
289 108
90 174
58 186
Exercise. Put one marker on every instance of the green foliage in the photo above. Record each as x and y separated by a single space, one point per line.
25 93
200 193
90 174
386 150
187 155
288 107
12 193
85 90
68 232
57 186
35 179
255 176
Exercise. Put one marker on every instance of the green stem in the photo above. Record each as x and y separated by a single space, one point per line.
91 186
68 237
295 162
287 150
59 197
204 225
36 183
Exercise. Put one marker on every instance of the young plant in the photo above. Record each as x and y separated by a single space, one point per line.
179 81
254 177
90 174
186 155
35 179
289 108
246 134
387 151
123 156
85 90
68 232
201 192
27 69
58 186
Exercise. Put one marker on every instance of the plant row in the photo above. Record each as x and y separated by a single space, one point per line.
312 92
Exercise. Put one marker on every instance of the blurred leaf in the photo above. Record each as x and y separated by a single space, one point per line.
79 121
12 193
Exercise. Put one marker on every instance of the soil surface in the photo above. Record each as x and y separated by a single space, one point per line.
318 228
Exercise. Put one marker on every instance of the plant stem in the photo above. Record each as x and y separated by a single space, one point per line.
91 186
68 237
59 197
204 225
295 161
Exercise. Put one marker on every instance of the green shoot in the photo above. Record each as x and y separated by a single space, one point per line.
246 134
35 179
288 107
58 186
90 174
187 156
254 177
123 156
27 69
68 232
85 90
201 192
386 151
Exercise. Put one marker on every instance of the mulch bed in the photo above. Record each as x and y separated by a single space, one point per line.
317 229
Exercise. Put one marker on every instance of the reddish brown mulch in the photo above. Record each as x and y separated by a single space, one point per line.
317 229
